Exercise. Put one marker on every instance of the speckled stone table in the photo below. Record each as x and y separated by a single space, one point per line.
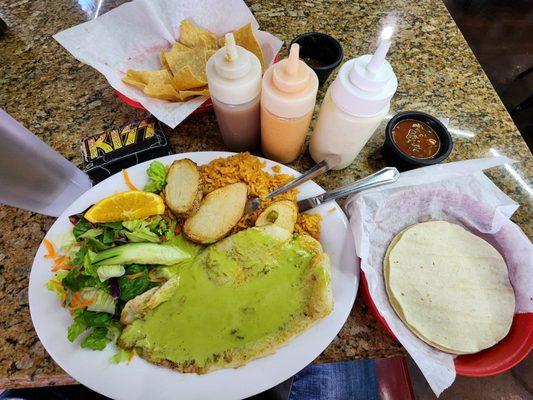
63 101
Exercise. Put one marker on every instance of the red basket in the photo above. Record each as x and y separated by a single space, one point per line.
205 107
497 359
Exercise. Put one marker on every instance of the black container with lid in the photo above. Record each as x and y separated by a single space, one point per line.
323 53
397 158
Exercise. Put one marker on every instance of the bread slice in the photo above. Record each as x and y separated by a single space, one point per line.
183 190
282 213
218 213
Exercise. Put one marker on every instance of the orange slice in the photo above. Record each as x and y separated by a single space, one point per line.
126 206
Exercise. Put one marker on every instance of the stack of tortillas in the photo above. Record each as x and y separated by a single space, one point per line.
450 287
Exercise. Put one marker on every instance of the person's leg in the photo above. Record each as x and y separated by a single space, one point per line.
354 380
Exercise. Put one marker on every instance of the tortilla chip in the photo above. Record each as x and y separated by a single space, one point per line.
182 75
186 94
160 86
162 91
193 36
244 37
186 79
194 58
177 46
140 79
133 82
164 63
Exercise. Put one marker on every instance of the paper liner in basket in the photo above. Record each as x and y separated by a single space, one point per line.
456 192
132 36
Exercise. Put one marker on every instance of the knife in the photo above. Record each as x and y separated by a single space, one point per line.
382 177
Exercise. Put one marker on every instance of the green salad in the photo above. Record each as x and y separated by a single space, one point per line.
100 266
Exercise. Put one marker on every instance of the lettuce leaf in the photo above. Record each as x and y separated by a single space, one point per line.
77 327
95 244
88 268
91 233
170 231
120 356
81 227
157 174
101 300
55 285
75 280
130 288
139 231
67 244
110 271
103 329
96 340
79 257
109 236
113 225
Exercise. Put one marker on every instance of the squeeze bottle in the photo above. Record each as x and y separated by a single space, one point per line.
234 80
354 105
288 98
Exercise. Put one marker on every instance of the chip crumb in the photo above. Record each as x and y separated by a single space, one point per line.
276 169
331 210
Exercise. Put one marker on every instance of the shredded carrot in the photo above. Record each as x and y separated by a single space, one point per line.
61 263
50 249
128 180
60 260
59 267
134 276
151 278
132 354
77 302
177 230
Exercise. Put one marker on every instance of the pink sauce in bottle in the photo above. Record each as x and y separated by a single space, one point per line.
234 80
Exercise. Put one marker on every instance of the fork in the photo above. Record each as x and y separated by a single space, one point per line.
332 160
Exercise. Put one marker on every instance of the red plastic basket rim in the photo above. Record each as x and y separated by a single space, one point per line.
492 361
206 105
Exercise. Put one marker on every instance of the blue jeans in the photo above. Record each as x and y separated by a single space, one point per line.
353 380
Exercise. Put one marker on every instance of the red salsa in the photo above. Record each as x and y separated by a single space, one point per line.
416 139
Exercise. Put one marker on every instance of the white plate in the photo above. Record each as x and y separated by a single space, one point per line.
142 380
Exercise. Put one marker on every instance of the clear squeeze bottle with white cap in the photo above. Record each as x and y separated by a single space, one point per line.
354 105
234 80
288 98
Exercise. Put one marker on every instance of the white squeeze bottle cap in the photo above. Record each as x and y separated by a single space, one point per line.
289 87
233 74
366 84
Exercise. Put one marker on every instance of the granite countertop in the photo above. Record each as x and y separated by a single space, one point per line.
63 101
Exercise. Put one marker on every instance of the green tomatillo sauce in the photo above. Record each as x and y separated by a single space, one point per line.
245 289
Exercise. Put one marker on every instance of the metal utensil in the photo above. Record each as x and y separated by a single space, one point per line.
383 176
322 167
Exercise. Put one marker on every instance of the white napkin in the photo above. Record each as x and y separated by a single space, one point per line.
458 192
133 35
